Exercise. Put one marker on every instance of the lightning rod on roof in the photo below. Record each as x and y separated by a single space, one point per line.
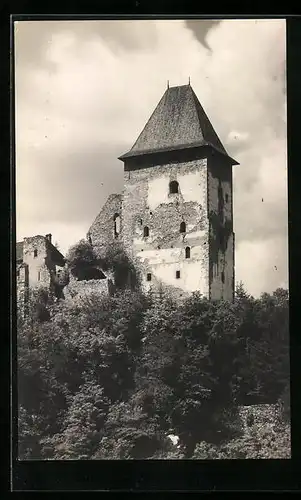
168 84
189 80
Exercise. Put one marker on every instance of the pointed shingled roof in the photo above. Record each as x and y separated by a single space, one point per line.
178 122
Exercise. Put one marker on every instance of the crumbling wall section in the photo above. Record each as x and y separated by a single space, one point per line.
102 232
36 256
78 290
22 287
160 252
221 237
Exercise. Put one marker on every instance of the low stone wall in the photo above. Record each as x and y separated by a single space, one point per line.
80 289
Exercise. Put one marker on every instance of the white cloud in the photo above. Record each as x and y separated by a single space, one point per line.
89 93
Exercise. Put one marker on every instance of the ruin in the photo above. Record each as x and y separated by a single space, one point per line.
174 217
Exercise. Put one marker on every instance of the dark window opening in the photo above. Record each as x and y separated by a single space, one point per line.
35 253
149 277
223 277
140 222
159 247
116 225
183 227
178 274
39 276
227 197
187 252
173 187
146 232
151 213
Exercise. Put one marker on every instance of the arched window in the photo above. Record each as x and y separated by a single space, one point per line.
187 252
173 187
116 225
145 231
183 227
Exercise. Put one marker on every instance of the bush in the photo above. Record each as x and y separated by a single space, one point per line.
81 257
115 259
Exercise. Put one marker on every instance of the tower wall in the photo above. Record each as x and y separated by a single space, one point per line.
220 209
147 202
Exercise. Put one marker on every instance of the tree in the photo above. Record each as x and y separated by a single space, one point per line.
81 257
114 258
111 376
82 426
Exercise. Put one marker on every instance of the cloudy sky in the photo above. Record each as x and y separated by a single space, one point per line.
85 89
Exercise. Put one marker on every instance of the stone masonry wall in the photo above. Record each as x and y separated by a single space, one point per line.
101 231
22 287
39 265
77 290
147 202
220 208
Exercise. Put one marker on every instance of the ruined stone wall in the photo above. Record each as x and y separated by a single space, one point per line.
39 263
147 202
22 287
102 230
77 290
220 208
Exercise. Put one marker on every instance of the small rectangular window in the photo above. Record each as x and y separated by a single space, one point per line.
223 277
149 277
39 276
178 274
35 253
227 197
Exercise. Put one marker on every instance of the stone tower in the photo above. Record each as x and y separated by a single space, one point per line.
177 207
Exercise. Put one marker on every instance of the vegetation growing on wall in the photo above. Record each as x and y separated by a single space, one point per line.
111 377
86 263
81 258
115 259
219 234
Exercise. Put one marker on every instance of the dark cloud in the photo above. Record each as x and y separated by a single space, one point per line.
200 29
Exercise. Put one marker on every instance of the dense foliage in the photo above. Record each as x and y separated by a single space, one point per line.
114 376
81 258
